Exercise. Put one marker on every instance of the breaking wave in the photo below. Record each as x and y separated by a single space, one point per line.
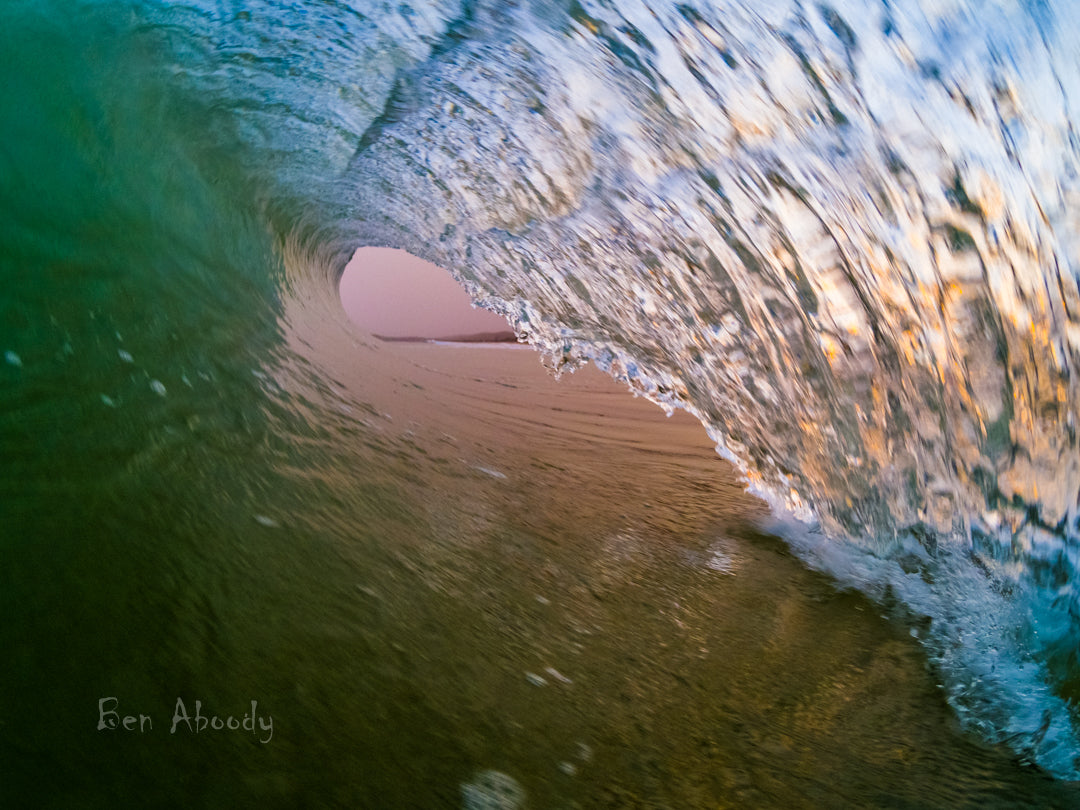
844 235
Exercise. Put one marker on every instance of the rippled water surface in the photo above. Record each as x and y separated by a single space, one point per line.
843 236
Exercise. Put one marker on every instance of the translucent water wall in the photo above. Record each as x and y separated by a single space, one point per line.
844 235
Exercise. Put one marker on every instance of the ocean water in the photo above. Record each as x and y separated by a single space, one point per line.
842 236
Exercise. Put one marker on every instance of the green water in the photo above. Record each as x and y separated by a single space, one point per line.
193 508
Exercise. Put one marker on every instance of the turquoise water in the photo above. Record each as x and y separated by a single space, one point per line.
736 211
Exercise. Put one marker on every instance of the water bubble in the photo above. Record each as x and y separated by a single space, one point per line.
158 387
492 790
723 557
554 673
13 359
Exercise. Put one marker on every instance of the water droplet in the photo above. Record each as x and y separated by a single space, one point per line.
492 790
13 359
554 673
158 387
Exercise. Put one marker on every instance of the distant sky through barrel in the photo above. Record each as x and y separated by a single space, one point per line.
394 294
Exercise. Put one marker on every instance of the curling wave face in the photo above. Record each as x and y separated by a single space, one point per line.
843 235
845 238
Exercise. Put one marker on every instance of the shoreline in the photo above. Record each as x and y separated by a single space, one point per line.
482 337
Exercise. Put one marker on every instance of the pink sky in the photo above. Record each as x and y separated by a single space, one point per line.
392 293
